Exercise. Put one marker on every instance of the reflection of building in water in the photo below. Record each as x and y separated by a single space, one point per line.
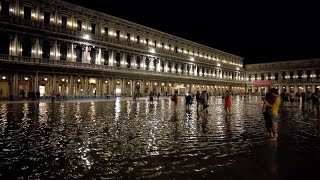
57 46
297 76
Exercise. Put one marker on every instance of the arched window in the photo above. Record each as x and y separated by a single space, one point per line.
79 54
269 76
26 47
128 61
147 63
93 55
162 66
63 51
169 66
262 76
118 59
46 49
249 77
182 67
138 62
106 58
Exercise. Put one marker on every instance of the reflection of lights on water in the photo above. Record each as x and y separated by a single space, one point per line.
43 113
93 111
78 114
3 117
117 109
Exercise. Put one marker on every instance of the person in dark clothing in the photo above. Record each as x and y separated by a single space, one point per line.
38 95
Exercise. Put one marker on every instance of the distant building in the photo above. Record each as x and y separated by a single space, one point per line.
57 46
296 76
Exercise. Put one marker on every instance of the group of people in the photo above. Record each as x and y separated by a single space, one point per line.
31 95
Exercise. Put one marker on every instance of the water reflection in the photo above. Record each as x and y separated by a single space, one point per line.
138 139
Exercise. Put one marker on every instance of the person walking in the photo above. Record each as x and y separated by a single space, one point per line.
315 97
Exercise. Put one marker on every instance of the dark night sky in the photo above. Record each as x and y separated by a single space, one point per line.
259 31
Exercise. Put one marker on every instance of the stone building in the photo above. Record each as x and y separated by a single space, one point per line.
58 46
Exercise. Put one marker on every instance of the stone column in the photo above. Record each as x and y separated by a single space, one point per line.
71 85
86 86
36 82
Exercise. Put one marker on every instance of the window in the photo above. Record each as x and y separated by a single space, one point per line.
64 22
262 76
79 54
291 75
138 39
5 8
147 63
308 74
46 49
79 25
128 37
106 31
283 75
255 77
27 13
176 49
155 44
269 76
169 66
182 66
93 55
128 61
249 77
118 34
118 59
93 28
300 74
106 58
155 61
162 45
162 66
147 40
276 76
46 18
63 51
176 67
138 62
26 47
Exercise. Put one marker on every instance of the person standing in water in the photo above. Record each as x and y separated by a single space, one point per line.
227 102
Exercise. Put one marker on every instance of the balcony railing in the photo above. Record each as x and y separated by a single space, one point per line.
69 64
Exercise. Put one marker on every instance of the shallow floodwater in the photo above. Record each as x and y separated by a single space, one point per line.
123 139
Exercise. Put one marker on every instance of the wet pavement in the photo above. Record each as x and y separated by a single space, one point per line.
122 139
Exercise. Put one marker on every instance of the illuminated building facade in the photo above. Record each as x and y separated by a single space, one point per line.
58 46
296 76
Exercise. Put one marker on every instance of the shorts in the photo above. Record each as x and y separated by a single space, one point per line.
275 118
